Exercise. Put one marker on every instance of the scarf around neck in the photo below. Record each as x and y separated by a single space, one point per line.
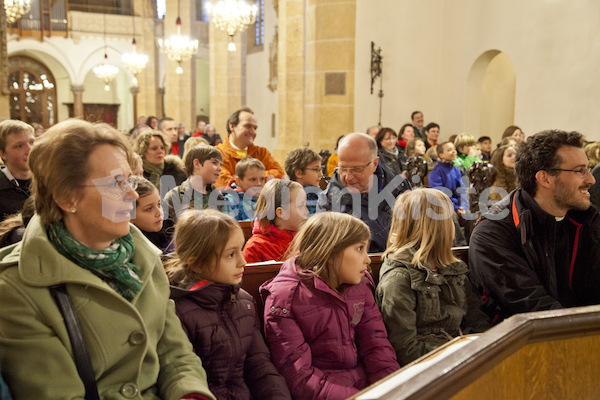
155 172
112 264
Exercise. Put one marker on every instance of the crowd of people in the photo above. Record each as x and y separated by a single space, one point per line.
140 232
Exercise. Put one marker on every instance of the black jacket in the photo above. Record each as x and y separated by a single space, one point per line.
388 186
222 324
12 196
527 261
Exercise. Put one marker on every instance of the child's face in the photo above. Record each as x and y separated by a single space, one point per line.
475 151
465 149
508 158
295 214
486 146
311 175
420 148
209 171
353 263
230 267
254 177
149 214
448 154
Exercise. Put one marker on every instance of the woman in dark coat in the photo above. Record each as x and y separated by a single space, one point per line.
152 147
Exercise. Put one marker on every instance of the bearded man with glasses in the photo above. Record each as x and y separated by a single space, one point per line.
538 249
363 187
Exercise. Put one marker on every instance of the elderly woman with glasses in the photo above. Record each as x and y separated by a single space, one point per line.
81 240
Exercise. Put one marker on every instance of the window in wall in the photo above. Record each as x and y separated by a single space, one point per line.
161 8
259 26
32 91
256 33
201 14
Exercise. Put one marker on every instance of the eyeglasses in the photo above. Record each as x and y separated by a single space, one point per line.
317 170
354 170
114 186
582 172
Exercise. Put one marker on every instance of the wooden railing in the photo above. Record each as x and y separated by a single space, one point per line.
543 355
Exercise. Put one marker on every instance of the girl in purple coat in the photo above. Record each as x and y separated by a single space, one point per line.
220 318
325 332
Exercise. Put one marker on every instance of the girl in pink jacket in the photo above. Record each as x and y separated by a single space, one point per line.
325 332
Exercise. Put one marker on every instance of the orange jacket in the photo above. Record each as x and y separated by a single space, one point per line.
230 160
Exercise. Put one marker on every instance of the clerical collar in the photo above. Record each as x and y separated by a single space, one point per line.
235 147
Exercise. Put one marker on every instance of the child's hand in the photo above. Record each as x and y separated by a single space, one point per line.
461 211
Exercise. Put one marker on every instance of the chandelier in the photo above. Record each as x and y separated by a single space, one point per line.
106 72
15 9
232 16
134 61
178 48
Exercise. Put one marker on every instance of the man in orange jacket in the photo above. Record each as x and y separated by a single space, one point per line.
241 127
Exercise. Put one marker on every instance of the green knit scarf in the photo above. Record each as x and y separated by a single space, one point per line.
155 172
112 264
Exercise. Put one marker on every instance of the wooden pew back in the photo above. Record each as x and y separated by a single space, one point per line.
258 273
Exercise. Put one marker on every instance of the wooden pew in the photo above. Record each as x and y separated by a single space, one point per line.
541 355
246 228
257 273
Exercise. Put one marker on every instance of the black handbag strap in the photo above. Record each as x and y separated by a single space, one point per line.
82 357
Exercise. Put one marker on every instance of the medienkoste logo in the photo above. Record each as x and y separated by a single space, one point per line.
379 199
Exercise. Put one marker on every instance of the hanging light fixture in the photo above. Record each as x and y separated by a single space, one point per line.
232 16
134 61
178 48
15 9
106 71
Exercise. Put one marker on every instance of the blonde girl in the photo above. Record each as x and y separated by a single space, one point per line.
323 327
220 318
280 212
423 292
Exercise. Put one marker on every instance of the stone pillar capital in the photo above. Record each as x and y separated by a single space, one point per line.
77 89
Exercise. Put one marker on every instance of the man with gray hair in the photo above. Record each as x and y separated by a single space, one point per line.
363 187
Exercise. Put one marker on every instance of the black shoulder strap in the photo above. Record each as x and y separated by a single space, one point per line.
82 358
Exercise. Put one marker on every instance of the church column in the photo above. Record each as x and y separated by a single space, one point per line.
4 93
225 71
330 48
146 38
290 80
316 73
134 90
77 100
178 87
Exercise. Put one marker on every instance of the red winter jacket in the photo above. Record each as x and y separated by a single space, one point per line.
267 246
325 344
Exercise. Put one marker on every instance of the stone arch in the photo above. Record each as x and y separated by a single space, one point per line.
491 89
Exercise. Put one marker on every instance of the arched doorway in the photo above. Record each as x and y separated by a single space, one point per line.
491 95
32 90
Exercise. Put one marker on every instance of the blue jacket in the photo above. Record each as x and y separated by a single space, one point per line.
240 211
446 175
388 186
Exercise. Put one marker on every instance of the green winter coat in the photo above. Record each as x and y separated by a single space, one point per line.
138 349
423 310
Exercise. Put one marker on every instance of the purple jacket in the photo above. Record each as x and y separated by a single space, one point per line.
221 322
326 345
